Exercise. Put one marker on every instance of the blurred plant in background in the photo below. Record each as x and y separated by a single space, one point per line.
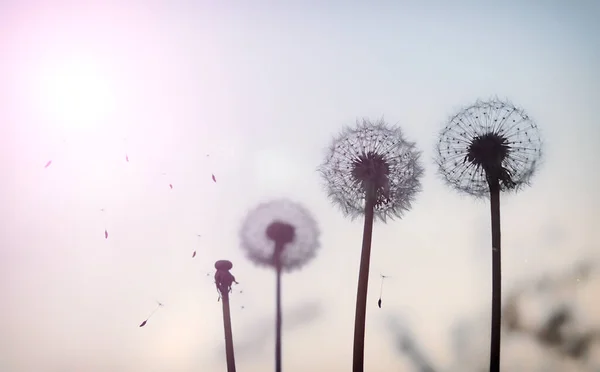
282 235
551 324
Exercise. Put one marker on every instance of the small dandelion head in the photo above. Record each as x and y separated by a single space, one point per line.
223 278
488 143
372 157
223 265
281 232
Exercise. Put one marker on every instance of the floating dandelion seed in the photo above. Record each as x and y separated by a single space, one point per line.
283 235
125 150
487 148
159 305
194 254
371 169
104 220
383 277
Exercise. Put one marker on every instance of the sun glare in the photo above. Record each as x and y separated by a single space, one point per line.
76 93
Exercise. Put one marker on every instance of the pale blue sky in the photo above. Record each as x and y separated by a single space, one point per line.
262 88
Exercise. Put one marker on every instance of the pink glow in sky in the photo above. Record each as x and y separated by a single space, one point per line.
261 88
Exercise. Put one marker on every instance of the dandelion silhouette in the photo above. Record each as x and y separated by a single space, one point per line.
282 235
489 142
487 148
371 169
223 280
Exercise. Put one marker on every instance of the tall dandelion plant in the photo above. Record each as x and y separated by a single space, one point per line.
282 235
484 149
224 280
370 170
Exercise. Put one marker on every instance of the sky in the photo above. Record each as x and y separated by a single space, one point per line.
254 93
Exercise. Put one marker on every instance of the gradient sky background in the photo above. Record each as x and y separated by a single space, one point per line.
262 87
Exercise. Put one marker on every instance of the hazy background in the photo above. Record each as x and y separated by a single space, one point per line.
262 87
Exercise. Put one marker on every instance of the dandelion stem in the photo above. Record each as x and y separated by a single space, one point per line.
278 250
496 275
228 332
363 283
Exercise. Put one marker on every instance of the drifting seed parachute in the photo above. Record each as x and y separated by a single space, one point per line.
159 304
104 219
381 289
194 254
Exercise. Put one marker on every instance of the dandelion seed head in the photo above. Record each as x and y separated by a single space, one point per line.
488 140
372 154
280 221
281 232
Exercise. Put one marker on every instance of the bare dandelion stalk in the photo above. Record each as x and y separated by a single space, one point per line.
223 280
370 170
360 316
487 148
282 235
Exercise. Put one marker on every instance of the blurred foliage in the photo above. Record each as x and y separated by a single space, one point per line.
546 326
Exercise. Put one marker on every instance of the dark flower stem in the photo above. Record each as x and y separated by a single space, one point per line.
278 249
496 275
228 332
363 284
